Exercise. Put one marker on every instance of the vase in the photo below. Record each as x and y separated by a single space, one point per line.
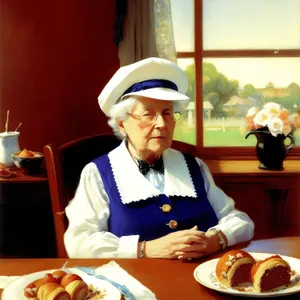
271 150
9 144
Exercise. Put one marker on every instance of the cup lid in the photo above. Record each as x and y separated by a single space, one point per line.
9 134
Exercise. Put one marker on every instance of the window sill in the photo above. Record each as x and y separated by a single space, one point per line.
249 168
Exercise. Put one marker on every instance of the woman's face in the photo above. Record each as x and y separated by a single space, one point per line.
150 128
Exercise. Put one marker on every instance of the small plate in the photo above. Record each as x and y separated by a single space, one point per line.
6 173
14 290
206 275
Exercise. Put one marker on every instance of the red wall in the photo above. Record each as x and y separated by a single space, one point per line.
56 56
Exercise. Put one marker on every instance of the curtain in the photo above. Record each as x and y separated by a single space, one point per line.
121 10
147 31
138 30
164 35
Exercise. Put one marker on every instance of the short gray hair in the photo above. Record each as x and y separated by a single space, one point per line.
121 109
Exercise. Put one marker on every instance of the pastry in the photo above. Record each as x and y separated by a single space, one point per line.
234 267
272 273
51 278
75 286
26 153
59 273
52 291
30 291
57 286
55 277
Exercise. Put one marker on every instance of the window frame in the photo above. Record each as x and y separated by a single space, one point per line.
198 54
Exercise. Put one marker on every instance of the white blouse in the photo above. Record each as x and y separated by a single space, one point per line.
88 212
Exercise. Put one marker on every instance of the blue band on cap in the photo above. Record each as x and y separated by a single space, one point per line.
150 84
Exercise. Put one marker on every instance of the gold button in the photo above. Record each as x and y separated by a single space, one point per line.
166 208
173 224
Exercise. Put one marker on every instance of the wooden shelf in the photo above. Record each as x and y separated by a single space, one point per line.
21 177
245 168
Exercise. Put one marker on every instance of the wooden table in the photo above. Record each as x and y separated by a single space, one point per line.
168 279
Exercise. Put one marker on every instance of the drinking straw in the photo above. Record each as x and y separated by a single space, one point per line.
18 126
6 124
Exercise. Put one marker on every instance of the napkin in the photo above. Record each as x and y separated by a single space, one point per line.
114 272
5 280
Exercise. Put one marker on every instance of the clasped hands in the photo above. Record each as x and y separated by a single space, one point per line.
183 244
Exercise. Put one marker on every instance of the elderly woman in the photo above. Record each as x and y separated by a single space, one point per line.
144 199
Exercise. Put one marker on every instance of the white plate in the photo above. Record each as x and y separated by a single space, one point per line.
14 290
206 275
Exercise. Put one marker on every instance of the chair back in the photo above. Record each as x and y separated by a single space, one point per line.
64 165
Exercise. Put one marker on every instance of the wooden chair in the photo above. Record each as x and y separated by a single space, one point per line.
64 165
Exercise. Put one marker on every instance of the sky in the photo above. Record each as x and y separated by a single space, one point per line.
244 24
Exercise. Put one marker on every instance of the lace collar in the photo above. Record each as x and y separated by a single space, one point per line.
133 186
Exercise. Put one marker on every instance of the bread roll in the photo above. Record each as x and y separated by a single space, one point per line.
52 291
234 267
272 273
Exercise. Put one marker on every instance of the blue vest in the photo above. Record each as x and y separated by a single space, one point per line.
146 218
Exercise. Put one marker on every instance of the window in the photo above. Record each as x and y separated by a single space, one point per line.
237 54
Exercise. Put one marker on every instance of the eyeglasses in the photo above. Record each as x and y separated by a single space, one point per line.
150 116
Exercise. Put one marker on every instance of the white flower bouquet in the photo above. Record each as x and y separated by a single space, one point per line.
277 119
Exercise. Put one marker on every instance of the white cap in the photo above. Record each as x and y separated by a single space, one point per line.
153 77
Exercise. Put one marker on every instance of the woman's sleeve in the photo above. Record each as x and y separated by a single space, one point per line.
235 224
87 235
